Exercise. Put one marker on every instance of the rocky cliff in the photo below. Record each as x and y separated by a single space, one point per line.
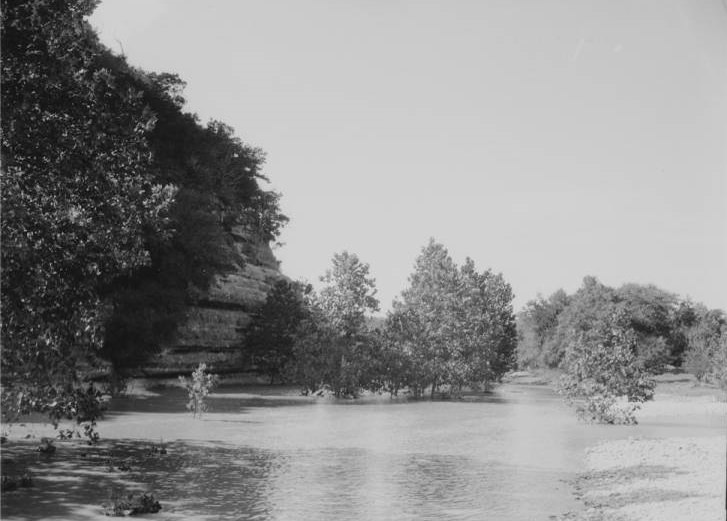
213 331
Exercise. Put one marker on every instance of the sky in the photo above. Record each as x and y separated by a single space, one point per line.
545 139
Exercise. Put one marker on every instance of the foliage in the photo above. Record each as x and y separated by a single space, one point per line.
348 295
589 306
454 326
719 362
658 319
132 505
8 482
218 196
424 316
198 387
270 339
334 350
313 351
536 325
652 315
117 207
602 369
485 338
392 369
77 196
705 354
82 405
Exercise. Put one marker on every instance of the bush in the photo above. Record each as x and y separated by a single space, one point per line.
198 388
131 505
605 380
706 355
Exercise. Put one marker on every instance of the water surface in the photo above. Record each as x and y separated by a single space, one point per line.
262 455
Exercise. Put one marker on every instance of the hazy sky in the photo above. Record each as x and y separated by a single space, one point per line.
547 140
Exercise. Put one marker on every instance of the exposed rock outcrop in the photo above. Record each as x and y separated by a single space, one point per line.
214 329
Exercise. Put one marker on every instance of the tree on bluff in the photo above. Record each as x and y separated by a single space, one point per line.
117 206
218 192
77 197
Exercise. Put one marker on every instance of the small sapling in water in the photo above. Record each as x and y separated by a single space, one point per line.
198 387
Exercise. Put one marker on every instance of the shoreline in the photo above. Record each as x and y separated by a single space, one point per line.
678 477
669 467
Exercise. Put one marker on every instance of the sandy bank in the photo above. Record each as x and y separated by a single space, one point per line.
655 480
677 478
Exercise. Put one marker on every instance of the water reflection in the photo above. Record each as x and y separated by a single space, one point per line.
505 458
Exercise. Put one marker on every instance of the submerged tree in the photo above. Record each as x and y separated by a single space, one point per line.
486 334
349 294
426 313
454 325
333 349
604 378
270 339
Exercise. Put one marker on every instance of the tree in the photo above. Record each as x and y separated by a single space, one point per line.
348 295
537 324
77 196
270 339
719 365
333 349
705 339
425 316
587 308
218 195
602 369
486 336
454 326
652 315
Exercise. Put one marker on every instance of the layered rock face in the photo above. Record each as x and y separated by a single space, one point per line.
214 329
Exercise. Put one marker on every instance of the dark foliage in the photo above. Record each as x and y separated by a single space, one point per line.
77 197
216 176
270 339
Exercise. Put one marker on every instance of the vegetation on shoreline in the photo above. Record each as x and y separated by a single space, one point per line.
611 342
116 208
453 328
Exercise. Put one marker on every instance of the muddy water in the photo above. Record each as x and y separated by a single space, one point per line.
262 455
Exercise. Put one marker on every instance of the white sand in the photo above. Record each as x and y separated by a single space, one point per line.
664 479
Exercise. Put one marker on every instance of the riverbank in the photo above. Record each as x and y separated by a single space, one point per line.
516 454
675 478
269 453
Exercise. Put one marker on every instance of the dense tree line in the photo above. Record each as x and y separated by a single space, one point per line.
453 328
610 341
116 206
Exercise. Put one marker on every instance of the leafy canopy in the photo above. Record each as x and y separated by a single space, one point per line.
77 195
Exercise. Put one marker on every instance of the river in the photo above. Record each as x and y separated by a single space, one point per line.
260 454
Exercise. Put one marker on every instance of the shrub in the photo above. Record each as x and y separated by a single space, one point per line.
605 380
131 505
198 388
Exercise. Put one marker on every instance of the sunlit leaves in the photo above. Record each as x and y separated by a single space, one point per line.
455 324
604 378
77 192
